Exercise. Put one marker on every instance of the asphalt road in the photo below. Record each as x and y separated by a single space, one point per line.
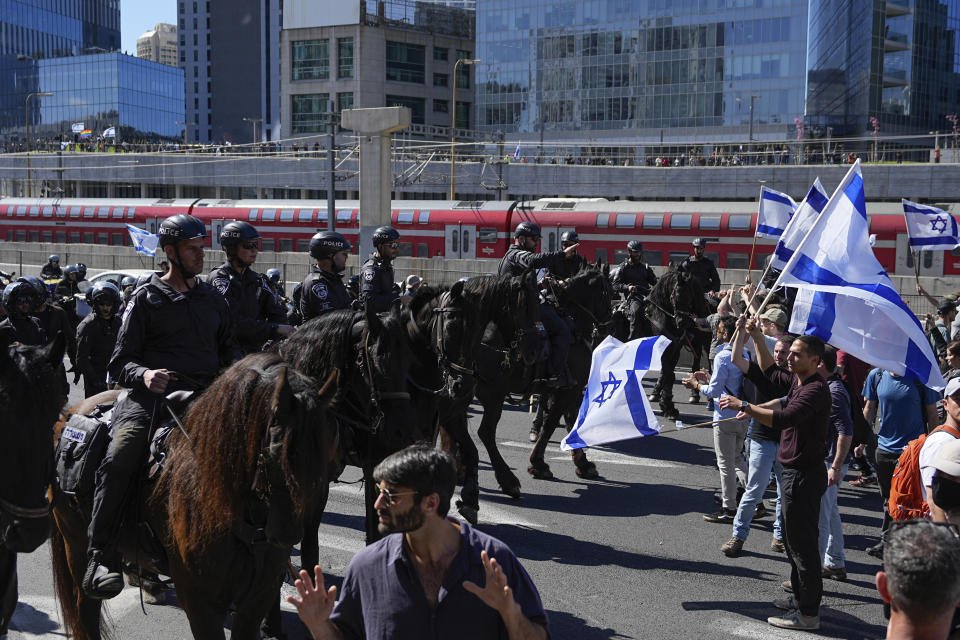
626 556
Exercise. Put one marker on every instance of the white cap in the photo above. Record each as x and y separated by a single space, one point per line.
953 385
947 459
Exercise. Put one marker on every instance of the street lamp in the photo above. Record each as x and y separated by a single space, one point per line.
750 134
26 111
453 123
254 122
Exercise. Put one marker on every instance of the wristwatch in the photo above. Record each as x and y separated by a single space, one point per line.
743 405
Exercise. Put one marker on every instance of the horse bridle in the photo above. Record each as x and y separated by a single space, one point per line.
435 344
365 361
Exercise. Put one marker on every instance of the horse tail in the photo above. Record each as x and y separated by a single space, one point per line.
68 591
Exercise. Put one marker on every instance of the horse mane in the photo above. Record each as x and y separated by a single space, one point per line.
322 344
209 475
490 291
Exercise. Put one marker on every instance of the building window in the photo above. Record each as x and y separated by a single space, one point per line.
463 115
405 62
441 106
344 101
441 80
463 73
308 112
311 60
417 106
344 57
441 54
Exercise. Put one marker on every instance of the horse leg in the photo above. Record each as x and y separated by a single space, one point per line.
68 551
492 410
537 422
370 495
310 546
8 588
667 377
469 503
206 620
539 468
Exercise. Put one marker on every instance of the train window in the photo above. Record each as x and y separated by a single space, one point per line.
600 255
487 235
654 258
676 257
626 220
603 219
455 242
681 221
619 255
653 221
303 245
305 215
714 257
60 212
739 222
103 238
34 236
286 215
423 217
286 244
103 212
405 249
47 212
131 212
75 212
46 236
88 237
21 236
269 215
88 212
60 236
118 212
34 212
405 217
267 244
116 239
21 210
344 215
709 223
74 236
423 250
252 216
322 215
465 241
9 236
737 260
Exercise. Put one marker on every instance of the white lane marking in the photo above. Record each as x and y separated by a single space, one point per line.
598 455
45 611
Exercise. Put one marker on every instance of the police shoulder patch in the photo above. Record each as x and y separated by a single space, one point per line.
368 275
320 290
221 285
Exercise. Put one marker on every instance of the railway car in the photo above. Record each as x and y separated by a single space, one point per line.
462 229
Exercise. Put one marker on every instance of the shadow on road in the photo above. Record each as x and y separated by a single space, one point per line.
833 623
567 625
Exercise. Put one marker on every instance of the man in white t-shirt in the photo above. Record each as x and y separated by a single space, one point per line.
951 403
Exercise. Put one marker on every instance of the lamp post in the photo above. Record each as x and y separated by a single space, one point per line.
26 112
750 134
254 122
453 123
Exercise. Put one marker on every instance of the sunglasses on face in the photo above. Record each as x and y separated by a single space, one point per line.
391 496
103 303
250 246
393 245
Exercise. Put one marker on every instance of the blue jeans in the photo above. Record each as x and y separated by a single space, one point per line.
762 457
831 529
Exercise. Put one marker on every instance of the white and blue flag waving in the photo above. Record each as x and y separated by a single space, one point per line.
774 213
930 228
143 241
801 221
615 406
846 298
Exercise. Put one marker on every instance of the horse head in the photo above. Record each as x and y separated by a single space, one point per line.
31 396
456 332
688 296
588 296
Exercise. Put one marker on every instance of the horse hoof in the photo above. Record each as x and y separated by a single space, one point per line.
540 472
512 491
469 513
534 434
588 472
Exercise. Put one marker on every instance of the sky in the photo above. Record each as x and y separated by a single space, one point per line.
137 16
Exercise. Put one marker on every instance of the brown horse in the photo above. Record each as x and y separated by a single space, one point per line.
227 507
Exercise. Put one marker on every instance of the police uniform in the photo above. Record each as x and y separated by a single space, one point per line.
254 307
643 278
26 330
703 270
568 267
96 340
54 320
321 293
51 270
65 291
376 284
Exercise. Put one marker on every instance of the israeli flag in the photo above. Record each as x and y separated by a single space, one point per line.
143 241
110 132
930 228
847 299
615 406
516 153
801 221
775 212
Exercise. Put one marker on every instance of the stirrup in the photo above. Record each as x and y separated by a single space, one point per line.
99 581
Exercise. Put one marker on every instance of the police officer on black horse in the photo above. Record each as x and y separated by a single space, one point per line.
176 334
377 288
703 269
258 316
634 279
518 259
323 289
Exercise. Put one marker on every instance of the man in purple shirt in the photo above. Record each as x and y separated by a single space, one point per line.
423 579
802 417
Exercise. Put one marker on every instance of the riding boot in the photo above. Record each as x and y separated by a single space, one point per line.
100 582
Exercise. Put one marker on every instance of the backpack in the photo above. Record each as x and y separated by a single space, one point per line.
906 495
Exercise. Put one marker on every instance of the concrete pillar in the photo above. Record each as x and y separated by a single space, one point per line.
218 192
144 190
178 191
78 187
259 193
304 194
111 189
376 178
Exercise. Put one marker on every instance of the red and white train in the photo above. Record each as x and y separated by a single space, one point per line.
472 229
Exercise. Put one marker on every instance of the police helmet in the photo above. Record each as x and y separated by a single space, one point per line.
128 281
102 290
14 293
569 236
384 234
180 227
142 280
528 229
70 268
53 258
37 284
81 271
327 243
236 232
273 275
634 245
699 242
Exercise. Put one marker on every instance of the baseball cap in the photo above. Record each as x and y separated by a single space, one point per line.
946 306
413 280
776 316
953 386
948 458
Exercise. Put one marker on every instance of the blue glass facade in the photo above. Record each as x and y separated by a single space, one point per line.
631 69
54 28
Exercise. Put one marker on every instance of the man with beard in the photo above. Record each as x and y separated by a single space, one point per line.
323 290
422 579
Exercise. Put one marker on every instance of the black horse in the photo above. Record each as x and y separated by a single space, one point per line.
31 396
673 307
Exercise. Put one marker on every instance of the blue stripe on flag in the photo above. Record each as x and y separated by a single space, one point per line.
635 396
823 313
948 240
584 407
574 441
916 363
644 353
762 228
817 199
776 197
854 193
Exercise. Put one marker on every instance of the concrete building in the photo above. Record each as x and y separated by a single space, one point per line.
160 45
365 54
228 50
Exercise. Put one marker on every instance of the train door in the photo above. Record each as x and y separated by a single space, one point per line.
551 238
931 262
460 241
152 225
215 228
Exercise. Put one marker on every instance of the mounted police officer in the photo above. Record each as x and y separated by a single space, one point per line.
634 279
518 259
376 274
258 316
572 263
19 299
703 269
176 334
52 268
97 336
323 289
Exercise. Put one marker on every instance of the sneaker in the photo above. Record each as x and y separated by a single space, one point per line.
100 582
876 550
863 481
777 545
786 604
761 512
795 620
835 573
732 547
723 516
694 398
787 586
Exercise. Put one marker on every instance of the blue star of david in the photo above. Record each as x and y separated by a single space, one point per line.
611 381
938 224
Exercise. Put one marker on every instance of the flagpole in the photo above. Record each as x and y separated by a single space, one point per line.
754 247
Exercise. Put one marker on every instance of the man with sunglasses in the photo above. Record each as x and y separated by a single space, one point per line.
323 290
634 279
431 576
257 315
376 274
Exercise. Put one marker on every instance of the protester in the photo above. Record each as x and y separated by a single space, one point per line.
802 417
853 372
839 438
427 570
411 284
937 440
939 332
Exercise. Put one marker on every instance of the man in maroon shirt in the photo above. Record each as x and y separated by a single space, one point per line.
802 416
